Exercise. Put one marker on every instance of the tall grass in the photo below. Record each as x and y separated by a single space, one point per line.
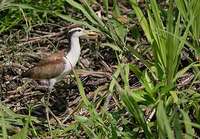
15 125
166 40
189 11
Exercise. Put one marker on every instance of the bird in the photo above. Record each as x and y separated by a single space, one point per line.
55 66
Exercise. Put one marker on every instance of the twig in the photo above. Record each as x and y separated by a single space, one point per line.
40 38
94 73
151 115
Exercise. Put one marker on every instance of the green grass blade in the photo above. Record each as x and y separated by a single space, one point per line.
113 46
82 9
81 90
105 4
188 127
142 20
3 125
115 76
164 128
94 16
177 127
182 9
76 21
134 109
156 13
23 134
85 122
182 71
139 56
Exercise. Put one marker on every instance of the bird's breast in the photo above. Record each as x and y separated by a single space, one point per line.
68 65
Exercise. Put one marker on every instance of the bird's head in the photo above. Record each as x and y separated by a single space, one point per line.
79 32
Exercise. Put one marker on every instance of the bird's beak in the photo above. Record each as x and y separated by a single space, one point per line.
91 34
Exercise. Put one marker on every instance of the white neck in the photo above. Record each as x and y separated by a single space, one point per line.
74 53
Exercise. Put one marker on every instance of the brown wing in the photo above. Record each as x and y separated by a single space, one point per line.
53 57
48 68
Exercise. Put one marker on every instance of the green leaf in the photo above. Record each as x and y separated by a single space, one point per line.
175 97
23 134
142 20
183 71
3 125
113 46
115 76
76 21
94 16
134 109
83 10
188 127
81 90
177 127
81 119
139 56
105 4
163 123
116 10
120 30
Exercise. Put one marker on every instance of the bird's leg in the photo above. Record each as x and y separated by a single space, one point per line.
51 85
43 85
47 84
